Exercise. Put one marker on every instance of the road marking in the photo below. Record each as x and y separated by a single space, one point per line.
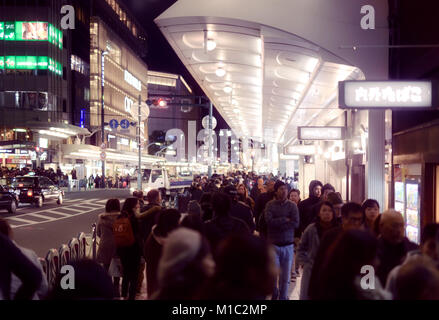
32 223
59 213
41 216
23 220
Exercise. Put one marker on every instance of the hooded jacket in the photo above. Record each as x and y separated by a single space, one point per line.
104 230
306 208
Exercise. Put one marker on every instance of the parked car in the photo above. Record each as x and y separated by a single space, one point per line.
8 200
37 190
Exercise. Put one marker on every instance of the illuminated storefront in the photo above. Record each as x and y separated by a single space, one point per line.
125 78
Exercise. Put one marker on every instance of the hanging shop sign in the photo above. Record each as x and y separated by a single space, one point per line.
300 150
387 94
132 80
321 133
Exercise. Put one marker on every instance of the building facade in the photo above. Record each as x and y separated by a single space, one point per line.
34 107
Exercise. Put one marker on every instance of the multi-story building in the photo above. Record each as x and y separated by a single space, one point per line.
114 77
34 105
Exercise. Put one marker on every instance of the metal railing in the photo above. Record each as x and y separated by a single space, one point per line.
75 250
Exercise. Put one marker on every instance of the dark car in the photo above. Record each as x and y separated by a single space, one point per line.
37 190
8 200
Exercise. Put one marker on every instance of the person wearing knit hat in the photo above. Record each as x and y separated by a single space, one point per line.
185 265
192 219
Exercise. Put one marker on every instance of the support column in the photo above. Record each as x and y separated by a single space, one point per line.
376 156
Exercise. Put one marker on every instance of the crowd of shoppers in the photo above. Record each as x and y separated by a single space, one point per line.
243 236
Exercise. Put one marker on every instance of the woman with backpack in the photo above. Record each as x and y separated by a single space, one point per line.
127 240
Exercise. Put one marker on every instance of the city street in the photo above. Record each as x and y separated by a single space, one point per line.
41 229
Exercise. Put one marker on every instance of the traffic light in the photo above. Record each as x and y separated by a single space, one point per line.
158 102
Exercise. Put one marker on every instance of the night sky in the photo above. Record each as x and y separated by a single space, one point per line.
160 56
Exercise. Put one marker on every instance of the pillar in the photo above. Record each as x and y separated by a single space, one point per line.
376 156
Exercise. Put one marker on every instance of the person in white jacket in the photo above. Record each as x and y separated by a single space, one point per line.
41 293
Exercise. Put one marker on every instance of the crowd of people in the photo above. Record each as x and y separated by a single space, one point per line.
55 176
243 237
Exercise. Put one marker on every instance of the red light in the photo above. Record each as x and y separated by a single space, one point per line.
20 185
162 103
30 193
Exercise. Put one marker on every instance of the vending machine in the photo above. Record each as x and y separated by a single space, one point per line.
407 201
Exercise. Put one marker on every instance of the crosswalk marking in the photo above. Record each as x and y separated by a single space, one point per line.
36 215
71 208
59 213
21 220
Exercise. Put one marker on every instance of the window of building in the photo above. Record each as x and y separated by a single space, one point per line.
114 51
86 94
64 105
79 65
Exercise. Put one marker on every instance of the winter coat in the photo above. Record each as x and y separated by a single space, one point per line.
152 252
282 219
16 282
260 206
242 211
147 219
393 275
104 230
218 228
307 214
390 256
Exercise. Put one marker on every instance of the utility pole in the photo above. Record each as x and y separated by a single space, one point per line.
103 53
139 146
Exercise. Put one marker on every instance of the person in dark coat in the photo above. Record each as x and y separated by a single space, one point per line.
222 224
393 246
261 203
352 218
306 207
14 261
239 209
130 255
196 191
167 221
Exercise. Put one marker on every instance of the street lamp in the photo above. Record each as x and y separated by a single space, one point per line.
103 54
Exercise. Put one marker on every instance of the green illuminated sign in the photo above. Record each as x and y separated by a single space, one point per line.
30 63
26 62
9 30
43 63
10 62
30 31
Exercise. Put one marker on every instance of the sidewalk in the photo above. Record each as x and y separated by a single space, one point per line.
66 190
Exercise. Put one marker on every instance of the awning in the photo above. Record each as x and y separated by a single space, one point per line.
270 68
89 152
56 130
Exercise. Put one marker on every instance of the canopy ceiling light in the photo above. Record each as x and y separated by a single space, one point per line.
227 89
210 44
220 72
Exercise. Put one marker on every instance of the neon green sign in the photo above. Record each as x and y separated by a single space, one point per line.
30 63
2 30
